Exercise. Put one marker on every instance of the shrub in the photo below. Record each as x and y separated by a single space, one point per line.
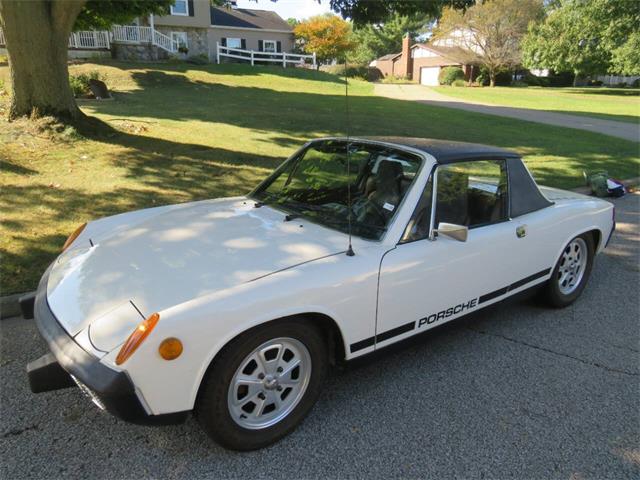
595 83
448 75
636 83
621 84
364 72
395 79
519 83
459 83
562 79
504 78
80 83
200 59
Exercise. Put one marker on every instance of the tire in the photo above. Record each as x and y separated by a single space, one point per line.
232 384
567 283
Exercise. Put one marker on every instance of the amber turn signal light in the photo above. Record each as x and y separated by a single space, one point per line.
73 236
138 336
170 348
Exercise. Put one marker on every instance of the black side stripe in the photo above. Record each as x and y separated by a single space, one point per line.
513 286
407 327
394 332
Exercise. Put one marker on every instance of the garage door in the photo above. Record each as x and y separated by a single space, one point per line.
429 76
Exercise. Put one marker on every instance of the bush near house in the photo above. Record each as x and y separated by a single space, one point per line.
448 75
80 83
459 83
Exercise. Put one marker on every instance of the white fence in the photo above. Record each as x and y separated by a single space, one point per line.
136 35
89 40
252 56
86 40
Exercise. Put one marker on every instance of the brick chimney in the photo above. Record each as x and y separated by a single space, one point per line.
407 61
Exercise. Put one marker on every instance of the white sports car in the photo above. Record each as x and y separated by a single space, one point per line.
235 308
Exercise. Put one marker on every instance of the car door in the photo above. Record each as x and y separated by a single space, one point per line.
428 278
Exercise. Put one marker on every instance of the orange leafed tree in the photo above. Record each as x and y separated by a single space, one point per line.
328 36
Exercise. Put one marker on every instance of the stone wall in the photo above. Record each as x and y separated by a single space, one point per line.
197 40
145 53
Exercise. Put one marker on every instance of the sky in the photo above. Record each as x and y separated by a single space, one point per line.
299 9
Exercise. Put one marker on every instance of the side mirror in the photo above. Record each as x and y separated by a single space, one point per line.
457 232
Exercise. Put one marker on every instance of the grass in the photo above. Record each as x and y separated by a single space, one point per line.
620 104
180 133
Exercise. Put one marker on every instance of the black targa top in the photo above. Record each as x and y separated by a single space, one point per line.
524 195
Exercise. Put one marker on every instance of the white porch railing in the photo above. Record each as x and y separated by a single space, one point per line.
252 56
89 40
136 35
86 40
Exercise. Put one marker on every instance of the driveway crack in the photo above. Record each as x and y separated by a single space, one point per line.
560 354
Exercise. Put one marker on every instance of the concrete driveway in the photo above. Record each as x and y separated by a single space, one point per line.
515 391
419 93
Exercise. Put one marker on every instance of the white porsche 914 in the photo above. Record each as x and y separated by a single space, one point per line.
235 308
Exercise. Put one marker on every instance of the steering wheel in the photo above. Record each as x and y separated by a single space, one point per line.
374 208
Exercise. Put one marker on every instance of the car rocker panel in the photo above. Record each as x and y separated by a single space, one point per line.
142 306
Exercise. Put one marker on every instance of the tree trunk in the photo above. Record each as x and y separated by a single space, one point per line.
576 76
492 79
37 35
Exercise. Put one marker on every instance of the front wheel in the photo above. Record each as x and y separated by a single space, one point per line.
263 384
571 273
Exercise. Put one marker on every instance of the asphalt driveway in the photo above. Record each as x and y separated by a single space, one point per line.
515 391
420 93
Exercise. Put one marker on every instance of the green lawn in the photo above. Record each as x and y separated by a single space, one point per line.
181 132
620 104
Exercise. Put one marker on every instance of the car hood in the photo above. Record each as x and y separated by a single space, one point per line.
175 255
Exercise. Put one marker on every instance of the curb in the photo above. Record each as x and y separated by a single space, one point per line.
10 305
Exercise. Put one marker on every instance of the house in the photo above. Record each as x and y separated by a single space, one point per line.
193 27
197 26
422 62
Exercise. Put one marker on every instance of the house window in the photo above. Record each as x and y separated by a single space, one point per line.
180 38
234 42
270 46
180 7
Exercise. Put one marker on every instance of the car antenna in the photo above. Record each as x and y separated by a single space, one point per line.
350 251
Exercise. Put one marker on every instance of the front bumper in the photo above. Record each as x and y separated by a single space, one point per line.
112 390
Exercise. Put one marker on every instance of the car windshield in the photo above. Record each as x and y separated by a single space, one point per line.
315 184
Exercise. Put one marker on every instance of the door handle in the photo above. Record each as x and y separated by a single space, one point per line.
521 231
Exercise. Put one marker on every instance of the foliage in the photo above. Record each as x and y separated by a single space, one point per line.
625 59
101 14
364 72
328 36
376 39
586 37
200 59
80 83
366 11
459 83
492 31
395 79
448 75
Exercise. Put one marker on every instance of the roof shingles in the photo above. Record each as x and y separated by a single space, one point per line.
245 18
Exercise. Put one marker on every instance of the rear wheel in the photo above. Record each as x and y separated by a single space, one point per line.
263 384
571 273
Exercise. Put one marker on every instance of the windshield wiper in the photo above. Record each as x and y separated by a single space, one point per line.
356 224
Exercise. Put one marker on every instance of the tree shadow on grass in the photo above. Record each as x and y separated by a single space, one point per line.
230 69
289 115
